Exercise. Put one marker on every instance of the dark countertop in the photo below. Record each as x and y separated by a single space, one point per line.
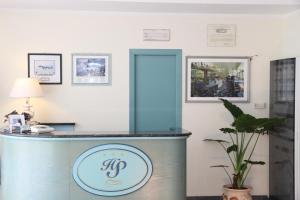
99 134
58 123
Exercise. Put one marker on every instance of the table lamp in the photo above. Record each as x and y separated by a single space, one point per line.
26 88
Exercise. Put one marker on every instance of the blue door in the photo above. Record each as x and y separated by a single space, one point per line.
155 89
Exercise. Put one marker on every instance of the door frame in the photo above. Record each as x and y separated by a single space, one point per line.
297 130
132 74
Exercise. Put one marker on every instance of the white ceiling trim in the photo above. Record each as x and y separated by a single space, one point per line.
276 7
221 2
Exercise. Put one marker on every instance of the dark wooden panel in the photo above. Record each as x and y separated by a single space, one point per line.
58 123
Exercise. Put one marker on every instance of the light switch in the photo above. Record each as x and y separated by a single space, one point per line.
259 105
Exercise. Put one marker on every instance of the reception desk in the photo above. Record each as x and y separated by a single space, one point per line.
94 166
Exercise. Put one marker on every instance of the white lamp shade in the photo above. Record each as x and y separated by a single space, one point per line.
26 87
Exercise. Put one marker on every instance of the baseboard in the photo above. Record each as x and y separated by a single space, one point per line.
220 198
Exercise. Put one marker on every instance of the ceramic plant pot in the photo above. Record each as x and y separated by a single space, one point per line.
236 194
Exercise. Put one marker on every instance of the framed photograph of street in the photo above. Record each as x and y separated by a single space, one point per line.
47 68
211 78
91 69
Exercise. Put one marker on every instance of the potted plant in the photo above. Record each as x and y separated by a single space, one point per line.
243 135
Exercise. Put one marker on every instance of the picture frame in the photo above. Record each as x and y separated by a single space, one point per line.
209 78
162 35
46 67
16 123
91 69
17 120
221 35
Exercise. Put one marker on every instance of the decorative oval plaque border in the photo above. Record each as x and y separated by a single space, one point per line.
108 147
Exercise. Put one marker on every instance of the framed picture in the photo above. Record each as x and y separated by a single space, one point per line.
211 78
16 120
91 69
157 34
47 68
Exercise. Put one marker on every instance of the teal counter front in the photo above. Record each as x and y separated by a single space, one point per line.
94 166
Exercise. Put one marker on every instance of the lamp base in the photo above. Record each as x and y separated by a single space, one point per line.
28 111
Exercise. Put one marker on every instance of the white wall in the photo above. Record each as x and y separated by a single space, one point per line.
106 107
291 40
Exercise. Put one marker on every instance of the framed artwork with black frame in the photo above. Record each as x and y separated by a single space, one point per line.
209 78
46 67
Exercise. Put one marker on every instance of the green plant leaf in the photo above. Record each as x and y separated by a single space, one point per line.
213 140
243 167
245 123
264 125
228 130
255 162
232 148
233 109
249 124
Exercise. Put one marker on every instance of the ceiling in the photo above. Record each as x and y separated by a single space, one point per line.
162 6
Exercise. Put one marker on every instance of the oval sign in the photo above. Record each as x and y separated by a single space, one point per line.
112 170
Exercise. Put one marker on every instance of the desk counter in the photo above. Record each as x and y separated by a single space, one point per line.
94 166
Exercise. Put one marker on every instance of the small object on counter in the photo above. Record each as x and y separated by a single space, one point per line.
25 129
15 128
41 129
28 116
